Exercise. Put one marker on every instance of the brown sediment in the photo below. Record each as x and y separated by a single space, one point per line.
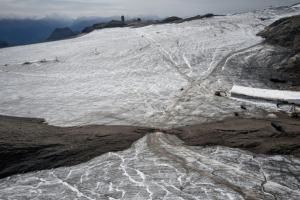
30 144
279 136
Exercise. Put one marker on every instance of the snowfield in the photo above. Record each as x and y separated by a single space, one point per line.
160 75
159 166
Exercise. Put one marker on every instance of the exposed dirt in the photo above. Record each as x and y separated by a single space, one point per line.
30 144
264 136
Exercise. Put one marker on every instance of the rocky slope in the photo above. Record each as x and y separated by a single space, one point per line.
286 33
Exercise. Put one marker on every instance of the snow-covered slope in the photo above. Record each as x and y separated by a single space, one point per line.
162 75
159 166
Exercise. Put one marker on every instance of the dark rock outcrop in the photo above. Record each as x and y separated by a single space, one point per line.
3 44
111 24
284 32
61 33
171 20
209 15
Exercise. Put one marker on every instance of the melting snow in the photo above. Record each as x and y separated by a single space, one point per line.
160 75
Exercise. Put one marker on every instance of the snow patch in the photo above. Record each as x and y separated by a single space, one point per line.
292 97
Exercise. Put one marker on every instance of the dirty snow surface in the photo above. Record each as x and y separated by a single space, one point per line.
159 166
160 75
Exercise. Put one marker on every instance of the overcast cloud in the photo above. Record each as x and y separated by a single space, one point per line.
78 8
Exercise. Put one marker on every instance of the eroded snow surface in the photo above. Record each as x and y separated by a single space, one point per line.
159 166
159 76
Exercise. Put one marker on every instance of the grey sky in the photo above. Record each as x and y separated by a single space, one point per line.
77 8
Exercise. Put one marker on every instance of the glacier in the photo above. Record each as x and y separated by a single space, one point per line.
158 76
160 166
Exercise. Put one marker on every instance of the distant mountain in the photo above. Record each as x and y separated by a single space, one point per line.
28 31
3 44
79 24
61 33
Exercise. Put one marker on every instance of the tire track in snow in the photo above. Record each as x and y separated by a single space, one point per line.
171 111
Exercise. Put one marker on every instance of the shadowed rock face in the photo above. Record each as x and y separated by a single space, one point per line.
60 34
284 32
171 19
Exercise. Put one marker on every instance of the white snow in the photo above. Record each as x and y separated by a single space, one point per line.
160 75
267 94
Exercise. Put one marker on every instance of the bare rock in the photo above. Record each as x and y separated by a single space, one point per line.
284 32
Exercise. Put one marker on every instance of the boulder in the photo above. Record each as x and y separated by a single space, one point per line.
294 61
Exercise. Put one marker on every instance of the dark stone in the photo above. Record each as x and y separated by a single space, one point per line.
277 127
111 24
275 80
220 93
243 107
27 63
